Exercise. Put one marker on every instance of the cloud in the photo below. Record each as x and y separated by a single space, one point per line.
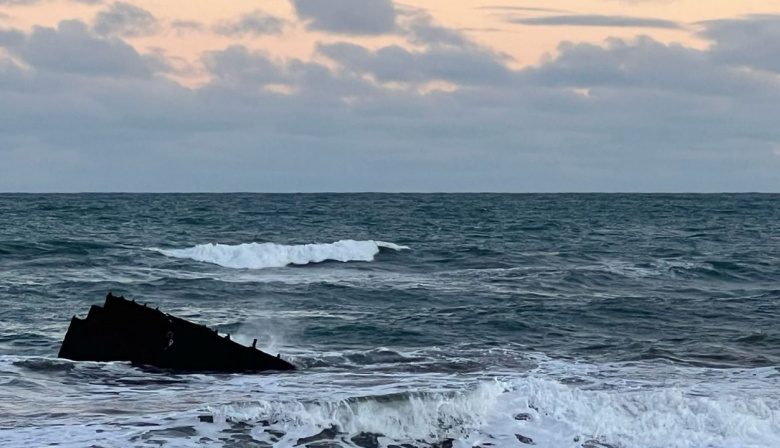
518 9
126 20
239 66
596 21
183 26
750 41
360 17
396 64
11 39
253 23
643 64
422 30
72 49
628 115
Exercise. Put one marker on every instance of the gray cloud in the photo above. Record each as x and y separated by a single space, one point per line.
238 65
596 21
396 64
71 48
624 116
643 64
126 20
752 41
482 30
253 23
183 26
361 17
518 9
11 39
422 30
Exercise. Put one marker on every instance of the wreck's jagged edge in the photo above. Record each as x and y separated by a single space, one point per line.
123 330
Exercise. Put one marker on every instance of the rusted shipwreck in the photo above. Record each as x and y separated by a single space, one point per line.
123 330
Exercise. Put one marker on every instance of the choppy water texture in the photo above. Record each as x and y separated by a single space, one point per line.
563 321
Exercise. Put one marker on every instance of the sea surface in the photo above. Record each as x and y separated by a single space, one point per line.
553 321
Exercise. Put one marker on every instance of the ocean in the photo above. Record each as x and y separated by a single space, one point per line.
416 320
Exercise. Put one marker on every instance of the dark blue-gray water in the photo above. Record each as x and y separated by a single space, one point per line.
634 321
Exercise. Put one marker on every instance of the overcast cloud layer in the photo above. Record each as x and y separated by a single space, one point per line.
83 110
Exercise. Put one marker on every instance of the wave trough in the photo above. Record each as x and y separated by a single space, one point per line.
271 255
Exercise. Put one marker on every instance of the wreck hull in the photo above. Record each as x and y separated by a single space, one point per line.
123 330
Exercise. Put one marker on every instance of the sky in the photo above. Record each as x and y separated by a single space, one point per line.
376 95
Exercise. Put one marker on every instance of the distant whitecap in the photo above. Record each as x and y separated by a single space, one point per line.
271 255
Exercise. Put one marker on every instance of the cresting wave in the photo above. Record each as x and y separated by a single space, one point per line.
519 412
735 409
271 255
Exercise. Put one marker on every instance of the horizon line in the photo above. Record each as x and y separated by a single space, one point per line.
388 192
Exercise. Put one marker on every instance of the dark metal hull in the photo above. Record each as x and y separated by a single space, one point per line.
122 330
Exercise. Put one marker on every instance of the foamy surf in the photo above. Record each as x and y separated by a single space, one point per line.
511 412
271 255
561 404
317 410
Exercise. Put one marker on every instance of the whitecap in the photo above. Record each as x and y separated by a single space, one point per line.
271 255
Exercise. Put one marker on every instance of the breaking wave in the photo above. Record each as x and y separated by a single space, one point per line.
399 417
319 408
271 255
533 411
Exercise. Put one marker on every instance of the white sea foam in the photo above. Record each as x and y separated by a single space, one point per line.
403 417
559 415
654 418
271 255
692 408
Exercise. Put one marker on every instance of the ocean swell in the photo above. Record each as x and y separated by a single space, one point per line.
271 255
